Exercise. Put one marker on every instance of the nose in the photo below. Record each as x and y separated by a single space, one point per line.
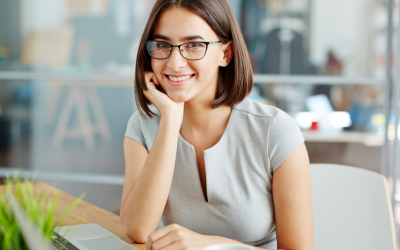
176 60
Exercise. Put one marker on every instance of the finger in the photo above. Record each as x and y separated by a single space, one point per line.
148 243
176 245
163 242
155 80
147 77
162 232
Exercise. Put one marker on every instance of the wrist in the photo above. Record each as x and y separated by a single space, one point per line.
172 116
171 121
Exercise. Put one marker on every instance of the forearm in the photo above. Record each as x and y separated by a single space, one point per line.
222 240
144 205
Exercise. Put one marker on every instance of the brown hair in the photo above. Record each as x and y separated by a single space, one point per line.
235 81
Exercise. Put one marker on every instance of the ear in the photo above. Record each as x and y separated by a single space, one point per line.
227 54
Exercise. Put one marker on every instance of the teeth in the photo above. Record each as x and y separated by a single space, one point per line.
178 79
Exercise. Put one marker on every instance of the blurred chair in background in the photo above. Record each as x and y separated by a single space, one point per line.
80 98
51 49
352 209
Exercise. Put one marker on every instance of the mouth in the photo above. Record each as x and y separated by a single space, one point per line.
178 80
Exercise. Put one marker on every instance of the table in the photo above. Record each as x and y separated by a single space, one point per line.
93 214
368 139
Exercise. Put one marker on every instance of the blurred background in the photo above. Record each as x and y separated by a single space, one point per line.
66 84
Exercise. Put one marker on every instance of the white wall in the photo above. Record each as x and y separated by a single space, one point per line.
42 14
344 26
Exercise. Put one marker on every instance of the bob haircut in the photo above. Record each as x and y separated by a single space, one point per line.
235 81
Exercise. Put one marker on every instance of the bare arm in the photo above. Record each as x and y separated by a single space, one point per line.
148 175
291 189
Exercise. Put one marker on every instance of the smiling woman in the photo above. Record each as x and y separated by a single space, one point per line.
213 22
215 166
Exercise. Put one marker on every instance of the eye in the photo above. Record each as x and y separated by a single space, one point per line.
194 45
163 45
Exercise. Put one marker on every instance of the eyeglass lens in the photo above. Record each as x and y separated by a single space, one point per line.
191 51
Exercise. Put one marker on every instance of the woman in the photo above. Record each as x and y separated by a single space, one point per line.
216 166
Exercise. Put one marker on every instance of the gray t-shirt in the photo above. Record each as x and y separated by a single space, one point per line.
239 170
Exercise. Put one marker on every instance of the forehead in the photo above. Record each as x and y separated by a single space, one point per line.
176 23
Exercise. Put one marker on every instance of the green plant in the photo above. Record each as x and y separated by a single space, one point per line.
40 206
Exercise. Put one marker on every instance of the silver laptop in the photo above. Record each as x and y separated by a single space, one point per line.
82 237
87 237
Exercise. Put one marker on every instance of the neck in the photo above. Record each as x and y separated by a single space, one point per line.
199 117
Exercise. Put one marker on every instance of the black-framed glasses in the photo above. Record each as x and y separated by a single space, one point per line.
190 51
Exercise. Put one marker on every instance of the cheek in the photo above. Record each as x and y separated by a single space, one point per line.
205 67
157 66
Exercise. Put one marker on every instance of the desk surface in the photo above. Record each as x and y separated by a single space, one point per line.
368 139
92 213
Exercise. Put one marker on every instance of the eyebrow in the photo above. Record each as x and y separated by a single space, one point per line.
187 38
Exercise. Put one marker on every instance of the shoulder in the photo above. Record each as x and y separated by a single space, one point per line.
261 117
143 129
257 109
137 120
270 127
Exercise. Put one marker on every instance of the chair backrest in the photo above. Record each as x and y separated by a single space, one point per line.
351 209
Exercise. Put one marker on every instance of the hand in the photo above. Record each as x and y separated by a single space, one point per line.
176 237
161 101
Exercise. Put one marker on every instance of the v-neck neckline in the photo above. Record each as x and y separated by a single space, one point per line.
223 137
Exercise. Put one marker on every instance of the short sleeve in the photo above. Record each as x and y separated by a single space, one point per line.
134 129
284 137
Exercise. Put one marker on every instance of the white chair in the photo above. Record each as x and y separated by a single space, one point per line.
351 209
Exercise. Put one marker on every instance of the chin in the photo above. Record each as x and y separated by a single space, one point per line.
178 97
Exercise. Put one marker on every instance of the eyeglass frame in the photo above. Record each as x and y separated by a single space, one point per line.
179 48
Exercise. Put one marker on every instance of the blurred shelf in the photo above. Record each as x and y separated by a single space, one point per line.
368 139
26 75
258 78
317 79
64 176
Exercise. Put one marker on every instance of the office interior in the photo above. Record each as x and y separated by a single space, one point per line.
66 84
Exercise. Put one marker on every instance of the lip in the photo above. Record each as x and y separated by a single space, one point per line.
181 83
